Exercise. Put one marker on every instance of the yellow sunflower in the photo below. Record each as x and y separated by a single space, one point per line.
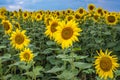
25 15
91 7
17 25
51 28
111 19
67 33
105 64
26 55
7 26
38 17
19 40
96 17
81 11
77 16
69 17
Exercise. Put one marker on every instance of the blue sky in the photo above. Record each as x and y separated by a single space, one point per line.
111 5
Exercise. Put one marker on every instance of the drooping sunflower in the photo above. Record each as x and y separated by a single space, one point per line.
26 55
111 19
67 33
19 40
105 64
7 26
51 28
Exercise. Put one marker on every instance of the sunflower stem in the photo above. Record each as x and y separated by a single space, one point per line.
72 61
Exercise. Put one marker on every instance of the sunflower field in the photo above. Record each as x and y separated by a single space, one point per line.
60 45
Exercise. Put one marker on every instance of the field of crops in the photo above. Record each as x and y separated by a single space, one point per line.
82 44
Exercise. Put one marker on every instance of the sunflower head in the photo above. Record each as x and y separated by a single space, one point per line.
51 28
19 40
67 33
7 26
105 64
69 17
17 25
25 15
77 16
111 19
96 17
38 17
26 55
91 7
81 11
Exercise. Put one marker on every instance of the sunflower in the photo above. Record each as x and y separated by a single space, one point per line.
47 20
26 55
67 33
81 11
16 25
91 7
69 11
25 15
77 16
38 17
105 64
100 11
111 19
7 26
69 17
19 40
51 28
96 17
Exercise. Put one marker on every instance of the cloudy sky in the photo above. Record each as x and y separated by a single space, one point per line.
111 5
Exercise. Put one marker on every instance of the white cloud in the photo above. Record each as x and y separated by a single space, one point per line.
14 7
20 2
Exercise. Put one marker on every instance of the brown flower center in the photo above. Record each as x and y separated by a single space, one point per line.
25 14
91 7
38 16
81 11
99 11
77 16
105 64
53 27
96 17
70 18
6 26
26 56
111 19
19 39
67 33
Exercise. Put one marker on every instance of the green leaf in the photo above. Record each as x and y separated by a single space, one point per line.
1 47
62 56
76 49
111 44
107 33
117 28
50 43
67 74
55 69
31 74
5 57
37 70
82 65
